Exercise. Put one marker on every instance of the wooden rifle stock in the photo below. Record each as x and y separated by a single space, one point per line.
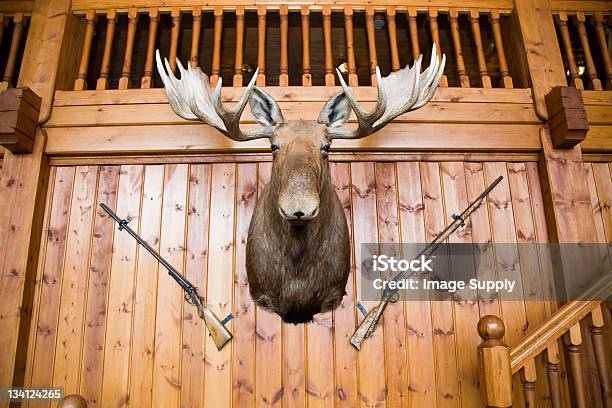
217 329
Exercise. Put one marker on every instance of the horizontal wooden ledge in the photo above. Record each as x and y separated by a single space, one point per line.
83 5
597 97
288 94
202 138
16 6
267 157
599 139
599 114
579 5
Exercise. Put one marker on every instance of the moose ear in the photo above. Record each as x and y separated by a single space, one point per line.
336 111
264 108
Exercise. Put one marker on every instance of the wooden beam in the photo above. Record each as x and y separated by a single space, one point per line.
19 110
568 119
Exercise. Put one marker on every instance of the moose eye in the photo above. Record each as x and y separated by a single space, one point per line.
325 151
274 148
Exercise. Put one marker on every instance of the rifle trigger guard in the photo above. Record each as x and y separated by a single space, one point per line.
458 217
188 299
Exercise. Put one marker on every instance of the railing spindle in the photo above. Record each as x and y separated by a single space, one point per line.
392 29
217 33
453 18
573 350
586 49
261 45
175 13
350 46
552 372
306 76
528 378
194 57
482 63
9 71
283 79
414 32
567 44
327 31
371 44
603 47
111 22
499 46
433 27
239 45
599 349
81 82
124 81
1 26
146 80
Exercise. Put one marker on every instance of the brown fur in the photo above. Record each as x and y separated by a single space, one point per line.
298 269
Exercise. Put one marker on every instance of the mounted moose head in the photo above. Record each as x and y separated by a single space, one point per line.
298 250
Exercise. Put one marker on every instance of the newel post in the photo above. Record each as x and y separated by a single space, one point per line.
494 360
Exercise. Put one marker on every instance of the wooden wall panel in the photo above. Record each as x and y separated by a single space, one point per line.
140 345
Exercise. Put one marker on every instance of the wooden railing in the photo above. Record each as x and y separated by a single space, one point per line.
587 60
498 362
354 39
13 32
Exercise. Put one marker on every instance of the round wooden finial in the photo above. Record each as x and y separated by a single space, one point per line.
491 327
73 401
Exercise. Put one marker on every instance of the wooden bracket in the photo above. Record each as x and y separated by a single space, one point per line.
19 111
567 116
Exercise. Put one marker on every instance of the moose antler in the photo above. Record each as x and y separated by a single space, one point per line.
399 92
192 98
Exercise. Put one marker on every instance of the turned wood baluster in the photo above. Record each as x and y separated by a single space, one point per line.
494 362
306 77
499 46
414 32
217 32
111 17
552 371
194 58
603 47
327 31
283 79
81 82
528 378
599 349
146 80
371 44
482 63
433 27
239 45
124 81
261 45
9 71
175 13
586 49
574 341
392 29
350 47
1 27
453 17
576 82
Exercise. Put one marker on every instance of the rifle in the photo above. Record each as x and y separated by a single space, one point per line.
218 331
368 325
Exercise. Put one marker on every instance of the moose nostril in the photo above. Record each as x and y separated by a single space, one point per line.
298 214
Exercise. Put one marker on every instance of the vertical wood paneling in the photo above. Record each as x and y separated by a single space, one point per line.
46 326
220 280
75 279
344 317
422 377
465 303
147 272
142 346
243 359
372 388
196 271
121 291
268 345
97 292
441 309
168 325
394 321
